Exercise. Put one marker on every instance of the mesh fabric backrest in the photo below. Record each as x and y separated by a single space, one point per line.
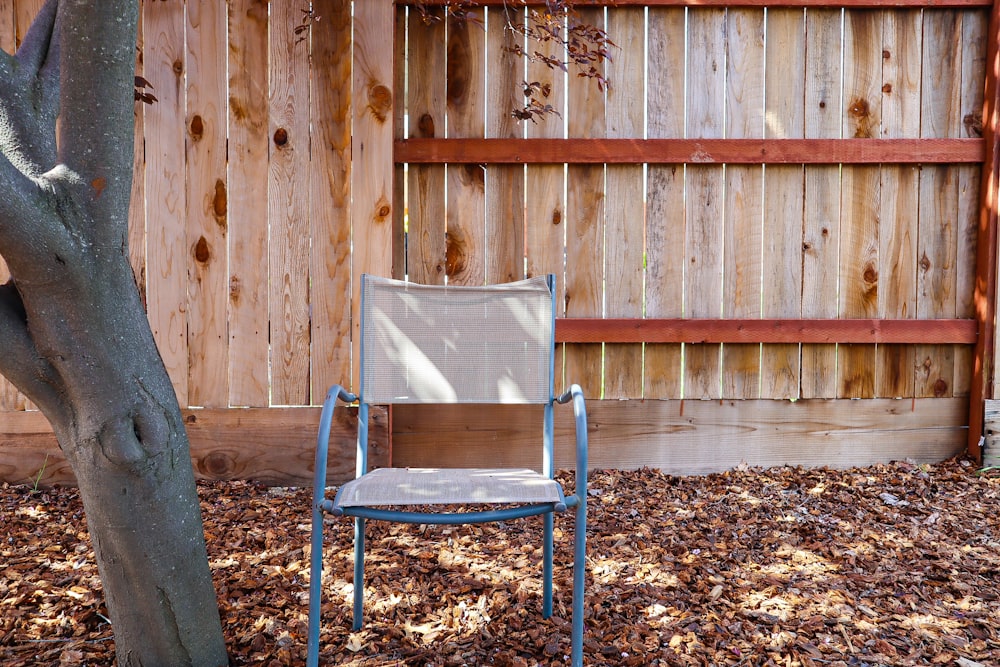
438 344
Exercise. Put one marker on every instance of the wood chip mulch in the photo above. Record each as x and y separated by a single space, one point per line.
886 565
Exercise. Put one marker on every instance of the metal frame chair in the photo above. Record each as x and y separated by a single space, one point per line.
435 344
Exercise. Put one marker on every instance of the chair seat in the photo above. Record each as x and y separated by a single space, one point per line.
449 486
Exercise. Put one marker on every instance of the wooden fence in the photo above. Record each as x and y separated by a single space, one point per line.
765 232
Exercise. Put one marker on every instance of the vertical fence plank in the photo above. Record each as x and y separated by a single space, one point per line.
859 261
704 198
624 234
329 199
897 225
585 200
821 208
665 219
248 227
247 203
208 337
504 183
938 225
781 281
545 206
288 206
7 42
399 129
974 24
371 151
425 193
466 89
25 12
164 60
741 296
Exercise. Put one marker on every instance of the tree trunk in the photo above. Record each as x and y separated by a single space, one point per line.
124 437
75 336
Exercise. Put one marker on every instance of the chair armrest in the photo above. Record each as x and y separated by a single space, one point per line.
338 392
575 394
323 438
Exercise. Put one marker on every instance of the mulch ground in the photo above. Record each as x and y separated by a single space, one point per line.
887 565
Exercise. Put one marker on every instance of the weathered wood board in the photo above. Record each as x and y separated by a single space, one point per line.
704 258
425 249
504 203
288 209
164 61
665 211
897 227
743 193
372 175
206 201
247 204
466 200
782 235
330 201
632 434
623 256
821 204
271 445
860 198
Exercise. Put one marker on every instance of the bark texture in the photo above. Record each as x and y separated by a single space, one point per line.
74 335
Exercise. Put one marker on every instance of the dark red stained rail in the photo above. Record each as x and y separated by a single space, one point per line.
691 151
594 330
886 4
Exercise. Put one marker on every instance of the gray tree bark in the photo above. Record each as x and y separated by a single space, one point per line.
74 336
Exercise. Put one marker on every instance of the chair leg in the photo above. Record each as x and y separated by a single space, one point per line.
579 583
547 550
315 587
359 571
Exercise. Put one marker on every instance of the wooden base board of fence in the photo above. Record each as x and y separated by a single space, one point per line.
274 446
693 436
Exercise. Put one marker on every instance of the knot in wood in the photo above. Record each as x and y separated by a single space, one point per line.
220 203
201 250
859 108
382 210
870 275
380 101
197 128
425 126
218 464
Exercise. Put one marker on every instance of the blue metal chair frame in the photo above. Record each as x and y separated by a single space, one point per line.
578 501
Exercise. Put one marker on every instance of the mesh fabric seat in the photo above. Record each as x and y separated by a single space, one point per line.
423 344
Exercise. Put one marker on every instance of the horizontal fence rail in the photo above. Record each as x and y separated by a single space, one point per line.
783 4
692 151
612 330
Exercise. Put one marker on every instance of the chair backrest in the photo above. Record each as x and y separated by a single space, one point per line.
457 344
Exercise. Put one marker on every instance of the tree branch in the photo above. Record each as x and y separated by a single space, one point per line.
96 122
20 197
20 363
34 239
38 44
29 96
